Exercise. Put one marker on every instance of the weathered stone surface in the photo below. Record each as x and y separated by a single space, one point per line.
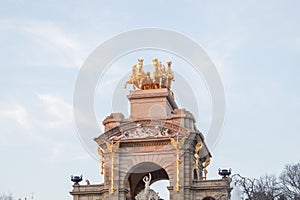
151 104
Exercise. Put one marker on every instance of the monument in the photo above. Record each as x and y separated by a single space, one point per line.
158 141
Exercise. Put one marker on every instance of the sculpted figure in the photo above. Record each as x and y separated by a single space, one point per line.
139 131
205 164
132 79
162 76
165 132
169 75
147 81
157 80
147 180
140 73
163 72
147 193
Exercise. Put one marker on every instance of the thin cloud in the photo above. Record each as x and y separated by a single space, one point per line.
52 33
57 151
57 42
18 113
58 108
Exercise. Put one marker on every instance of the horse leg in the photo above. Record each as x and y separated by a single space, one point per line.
140 83
160 82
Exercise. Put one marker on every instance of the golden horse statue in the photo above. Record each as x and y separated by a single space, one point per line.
158 75
132 79
140 73
169 75
162 77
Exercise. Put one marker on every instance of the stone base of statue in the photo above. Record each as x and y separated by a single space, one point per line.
152 195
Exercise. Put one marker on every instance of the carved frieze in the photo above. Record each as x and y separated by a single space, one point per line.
143 129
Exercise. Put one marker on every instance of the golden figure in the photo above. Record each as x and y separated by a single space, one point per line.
132 79
177 145
198 146
147 83
169 75
101 153
162 77
112 148
205 164
155 62
157 75
204 174
140 73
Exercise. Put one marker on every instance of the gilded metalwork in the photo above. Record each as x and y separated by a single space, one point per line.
198 146
112 148
177 145
101 153
132 80
162 77
169 75
205 164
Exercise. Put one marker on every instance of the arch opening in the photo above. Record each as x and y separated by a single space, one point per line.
209 198
161 188
134 178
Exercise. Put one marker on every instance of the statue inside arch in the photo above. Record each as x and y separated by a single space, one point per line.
147 193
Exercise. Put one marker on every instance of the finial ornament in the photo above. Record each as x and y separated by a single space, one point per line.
162 76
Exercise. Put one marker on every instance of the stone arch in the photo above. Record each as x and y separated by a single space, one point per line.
167 162
134 177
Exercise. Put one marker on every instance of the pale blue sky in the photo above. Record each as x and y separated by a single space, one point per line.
255 46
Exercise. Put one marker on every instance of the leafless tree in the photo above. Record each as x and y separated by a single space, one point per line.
264 188
6 197
290 178
268 188
247 185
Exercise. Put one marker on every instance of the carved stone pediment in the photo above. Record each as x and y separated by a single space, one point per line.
143 129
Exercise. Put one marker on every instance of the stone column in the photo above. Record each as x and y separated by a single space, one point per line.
171 191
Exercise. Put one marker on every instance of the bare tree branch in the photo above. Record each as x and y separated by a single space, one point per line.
6 197
290 178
